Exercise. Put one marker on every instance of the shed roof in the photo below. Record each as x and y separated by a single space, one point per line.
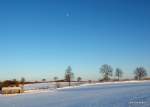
11 88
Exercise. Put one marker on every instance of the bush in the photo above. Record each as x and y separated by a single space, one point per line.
0 86
9 83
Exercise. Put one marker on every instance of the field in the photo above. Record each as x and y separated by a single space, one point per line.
97 95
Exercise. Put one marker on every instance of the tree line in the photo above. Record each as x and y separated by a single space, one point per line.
12 83
105 70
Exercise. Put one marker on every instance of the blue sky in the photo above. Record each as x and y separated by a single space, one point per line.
40 38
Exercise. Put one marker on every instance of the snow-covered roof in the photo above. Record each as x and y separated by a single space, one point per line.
11 88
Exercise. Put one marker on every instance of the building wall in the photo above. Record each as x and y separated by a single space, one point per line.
11 90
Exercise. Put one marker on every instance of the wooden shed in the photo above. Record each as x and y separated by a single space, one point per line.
11 90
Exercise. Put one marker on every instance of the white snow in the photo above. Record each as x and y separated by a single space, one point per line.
126 94
39 86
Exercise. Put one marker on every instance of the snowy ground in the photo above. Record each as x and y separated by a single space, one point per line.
136 94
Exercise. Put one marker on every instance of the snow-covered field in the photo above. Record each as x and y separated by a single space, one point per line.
134 94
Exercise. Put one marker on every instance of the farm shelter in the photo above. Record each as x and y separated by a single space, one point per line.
11 90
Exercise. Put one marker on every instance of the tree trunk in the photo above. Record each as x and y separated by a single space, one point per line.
69 83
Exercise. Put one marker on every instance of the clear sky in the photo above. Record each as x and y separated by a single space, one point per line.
40 38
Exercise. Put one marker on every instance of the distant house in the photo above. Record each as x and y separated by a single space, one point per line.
11 90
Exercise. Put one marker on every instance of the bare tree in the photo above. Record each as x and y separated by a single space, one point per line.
118 73
55 79
140 72
89 81
107 71
22 80
69 75
15 82
79 79
56 82
43 80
